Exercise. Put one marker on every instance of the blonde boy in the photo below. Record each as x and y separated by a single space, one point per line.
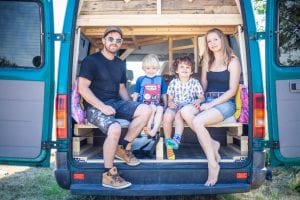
151 89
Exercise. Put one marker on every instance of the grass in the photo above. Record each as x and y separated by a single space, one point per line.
40 184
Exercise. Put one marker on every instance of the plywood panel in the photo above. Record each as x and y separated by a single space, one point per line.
160 20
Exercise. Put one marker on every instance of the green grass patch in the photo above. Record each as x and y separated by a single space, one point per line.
40 184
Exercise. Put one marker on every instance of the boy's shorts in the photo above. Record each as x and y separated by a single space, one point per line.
124 110
175 110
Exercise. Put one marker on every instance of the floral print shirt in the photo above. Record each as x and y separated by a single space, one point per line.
185 93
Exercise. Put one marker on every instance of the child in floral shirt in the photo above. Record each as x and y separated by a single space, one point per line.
182 91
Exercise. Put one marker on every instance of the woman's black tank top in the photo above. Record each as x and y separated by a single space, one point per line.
218 81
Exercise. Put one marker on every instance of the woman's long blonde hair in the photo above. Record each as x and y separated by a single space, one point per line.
209 57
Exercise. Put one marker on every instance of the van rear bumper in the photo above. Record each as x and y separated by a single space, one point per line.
159 189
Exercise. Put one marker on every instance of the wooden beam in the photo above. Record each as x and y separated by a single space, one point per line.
134 41
160 20
183 47
196 60
76 54
80 7
241 39
151 42
238 5
126 54
158 7
170 55
159 30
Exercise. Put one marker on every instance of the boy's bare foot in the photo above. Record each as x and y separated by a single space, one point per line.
216 146
213 173
147 130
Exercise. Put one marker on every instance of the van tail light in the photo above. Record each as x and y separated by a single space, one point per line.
258 115
61 117
241 175
78 176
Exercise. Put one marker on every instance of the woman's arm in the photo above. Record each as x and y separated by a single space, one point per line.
204 78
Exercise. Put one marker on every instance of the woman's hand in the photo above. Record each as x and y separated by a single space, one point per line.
206 106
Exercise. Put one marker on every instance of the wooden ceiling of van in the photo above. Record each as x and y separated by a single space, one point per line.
121 7
145 22
141 36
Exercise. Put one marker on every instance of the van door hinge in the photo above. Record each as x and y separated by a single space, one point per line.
257 36
63 37
51 145
59 37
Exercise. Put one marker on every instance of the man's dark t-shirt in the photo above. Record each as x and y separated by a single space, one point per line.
105 76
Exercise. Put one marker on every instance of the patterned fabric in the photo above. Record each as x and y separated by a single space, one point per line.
102 121
244 116
170 153
150 89
238 102
77 111
185 93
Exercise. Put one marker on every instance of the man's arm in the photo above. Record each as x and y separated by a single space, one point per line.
123 92
85 91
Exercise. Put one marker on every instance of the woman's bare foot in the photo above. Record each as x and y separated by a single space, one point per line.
213 173
216 146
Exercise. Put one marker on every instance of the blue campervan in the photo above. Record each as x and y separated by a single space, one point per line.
35 94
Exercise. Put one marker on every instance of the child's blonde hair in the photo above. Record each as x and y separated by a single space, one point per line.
150 60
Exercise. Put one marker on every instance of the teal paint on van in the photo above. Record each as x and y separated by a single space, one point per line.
155 178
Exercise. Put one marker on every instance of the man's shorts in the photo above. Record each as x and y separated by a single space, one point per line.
124 110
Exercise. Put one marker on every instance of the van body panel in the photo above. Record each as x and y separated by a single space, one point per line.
283 81
160 190
153 178
27 82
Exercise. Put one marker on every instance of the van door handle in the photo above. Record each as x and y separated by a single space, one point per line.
294 86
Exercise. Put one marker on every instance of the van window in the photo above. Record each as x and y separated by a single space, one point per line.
288 50
21 36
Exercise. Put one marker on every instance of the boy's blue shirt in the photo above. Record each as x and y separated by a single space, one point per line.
143 80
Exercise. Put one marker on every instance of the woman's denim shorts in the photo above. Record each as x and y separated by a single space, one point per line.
227 109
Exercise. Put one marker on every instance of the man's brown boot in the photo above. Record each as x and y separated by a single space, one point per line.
112 179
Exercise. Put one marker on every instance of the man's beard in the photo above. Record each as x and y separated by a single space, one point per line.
110 51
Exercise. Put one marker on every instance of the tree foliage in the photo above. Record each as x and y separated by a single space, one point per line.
260 6
289 32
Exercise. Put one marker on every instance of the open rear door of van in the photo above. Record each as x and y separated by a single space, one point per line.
283 80
26 82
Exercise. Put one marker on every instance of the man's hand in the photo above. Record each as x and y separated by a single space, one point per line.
107 110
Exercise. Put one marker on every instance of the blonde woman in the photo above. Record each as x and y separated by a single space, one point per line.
220 79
